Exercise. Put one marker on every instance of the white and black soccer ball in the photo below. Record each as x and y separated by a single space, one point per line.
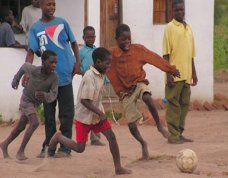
186 160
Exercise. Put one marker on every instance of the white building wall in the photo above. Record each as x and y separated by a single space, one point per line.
139 16
73 12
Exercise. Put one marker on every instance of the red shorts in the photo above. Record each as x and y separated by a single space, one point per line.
82 130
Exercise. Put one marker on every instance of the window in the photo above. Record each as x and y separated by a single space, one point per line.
16 6
162 11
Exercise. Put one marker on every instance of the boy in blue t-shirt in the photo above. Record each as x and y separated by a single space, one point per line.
54 33
86 61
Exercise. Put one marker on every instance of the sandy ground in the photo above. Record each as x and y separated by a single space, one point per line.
208 129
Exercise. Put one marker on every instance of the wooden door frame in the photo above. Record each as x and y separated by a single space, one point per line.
103 19
85 13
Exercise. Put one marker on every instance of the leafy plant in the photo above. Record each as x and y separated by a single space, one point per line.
113 114
1 119
221 34
40 112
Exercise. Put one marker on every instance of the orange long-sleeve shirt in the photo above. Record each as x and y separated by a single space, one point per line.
127 67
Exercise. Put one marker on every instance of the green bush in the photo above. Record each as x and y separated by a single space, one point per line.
40 112
221 34
1 119
220 52
117 115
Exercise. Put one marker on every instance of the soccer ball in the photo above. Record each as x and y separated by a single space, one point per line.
186 160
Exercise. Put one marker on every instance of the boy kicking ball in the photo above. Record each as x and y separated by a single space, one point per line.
90 114
128 79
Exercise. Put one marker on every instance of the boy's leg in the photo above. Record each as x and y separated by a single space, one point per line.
132 114
113 146
146 97
68 143
50 125
66 114
184 104
82 131
136 134
33 124
14 133
173 111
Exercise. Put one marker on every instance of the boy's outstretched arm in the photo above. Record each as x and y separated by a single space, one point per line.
159 62
89 105
170 79
17 77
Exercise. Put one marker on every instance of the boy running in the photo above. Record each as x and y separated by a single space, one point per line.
41 87
90 114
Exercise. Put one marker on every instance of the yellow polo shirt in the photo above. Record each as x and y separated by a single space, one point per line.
178 42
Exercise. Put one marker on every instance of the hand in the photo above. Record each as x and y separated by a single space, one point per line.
15 84
170 80
39 95
102 116
176 73
25 80
77 70
194 80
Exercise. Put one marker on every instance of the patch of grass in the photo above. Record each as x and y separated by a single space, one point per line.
1 119
40 112
114 114
221 34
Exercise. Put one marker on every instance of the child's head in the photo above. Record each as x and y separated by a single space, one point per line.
123 37
48 8
178 10
89 36
101 59
6 15
35 3
49 61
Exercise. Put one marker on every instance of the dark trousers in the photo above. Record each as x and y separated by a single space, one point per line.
178 97
65 101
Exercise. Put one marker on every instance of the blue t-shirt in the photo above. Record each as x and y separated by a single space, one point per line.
55 35
86 57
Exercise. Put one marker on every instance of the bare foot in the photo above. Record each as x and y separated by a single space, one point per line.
4 150
54 140
123 171
145 153
21 156
163 131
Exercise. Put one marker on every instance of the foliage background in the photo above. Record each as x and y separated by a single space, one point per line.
221 34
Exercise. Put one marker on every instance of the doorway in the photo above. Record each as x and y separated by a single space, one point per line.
110 18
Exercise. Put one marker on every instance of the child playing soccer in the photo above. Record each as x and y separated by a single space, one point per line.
90 114
86 61
128 80
41 87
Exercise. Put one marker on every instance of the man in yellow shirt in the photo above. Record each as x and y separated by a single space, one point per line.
179 50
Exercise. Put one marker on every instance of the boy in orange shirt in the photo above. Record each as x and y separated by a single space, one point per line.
127 77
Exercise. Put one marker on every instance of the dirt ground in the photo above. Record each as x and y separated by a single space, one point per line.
209 129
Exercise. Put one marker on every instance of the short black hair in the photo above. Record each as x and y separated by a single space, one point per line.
4 12
175 2
88 28
46 54
122 28
100 54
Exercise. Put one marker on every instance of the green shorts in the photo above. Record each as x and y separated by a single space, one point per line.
131 111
